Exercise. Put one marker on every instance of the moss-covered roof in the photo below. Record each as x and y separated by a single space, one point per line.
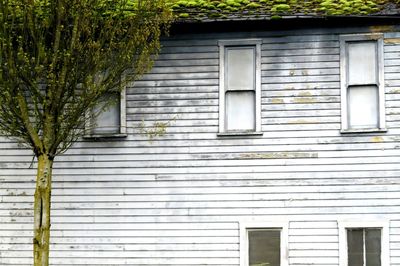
214 10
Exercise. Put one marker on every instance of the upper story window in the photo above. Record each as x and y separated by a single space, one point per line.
108 118
363 243
264 244
240 86
362 82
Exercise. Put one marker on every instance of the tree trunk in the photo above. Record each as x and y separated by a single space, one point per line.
41 238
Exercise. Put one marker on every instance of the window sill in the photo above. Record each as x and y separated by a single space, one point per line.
363 130
105 136
239 134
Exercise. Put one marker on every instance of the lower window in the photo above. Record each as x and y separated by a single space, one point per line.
363 244
264 244
264 247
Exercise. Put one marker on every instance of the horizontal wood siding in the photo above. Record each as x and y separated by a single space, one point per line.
179 198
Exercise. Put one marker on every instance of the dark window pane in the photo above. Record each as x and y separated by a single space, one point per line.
373 247
264 248
355 247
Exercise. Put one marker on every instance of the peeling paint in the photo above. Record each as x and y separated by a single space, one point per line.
304 73
291 73
305 100
305 93
300 121
394 91
162 177
279 155
395 138
377 139
392 41
276 100
20 213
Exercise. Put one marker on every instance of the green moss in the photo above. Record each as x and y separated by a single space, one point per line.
200 9
192 4
215 15
221 5
209 6
280 8
233 3
184 15
274 17
253 5
233 9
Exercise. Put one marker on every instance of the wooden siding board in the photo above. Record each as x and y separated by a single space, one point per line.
178 199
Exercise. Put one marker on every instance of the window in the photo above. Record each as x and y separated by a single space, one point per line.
264 244
362 83
240 86
363 244
108 120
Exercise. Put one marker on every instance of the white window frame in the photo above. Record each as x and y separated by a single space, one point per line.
378 37
283 226
383 225
223 44
122 127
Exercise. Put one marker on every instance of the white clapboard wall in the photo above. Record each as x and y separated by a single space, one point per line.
179 198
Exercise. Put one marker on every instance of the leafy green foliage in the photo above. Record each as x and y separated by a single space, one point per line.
58 58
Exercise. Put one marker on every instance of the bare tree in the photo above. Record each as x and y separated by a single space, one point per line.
58 59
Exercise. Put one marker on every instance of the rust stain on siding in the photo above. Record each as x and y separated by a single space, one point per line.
305 93
377 139
300 121
277 100
392 41
382 28
305 100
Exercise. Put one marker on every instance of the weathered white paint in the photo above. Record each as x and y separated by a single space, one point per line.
180 198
